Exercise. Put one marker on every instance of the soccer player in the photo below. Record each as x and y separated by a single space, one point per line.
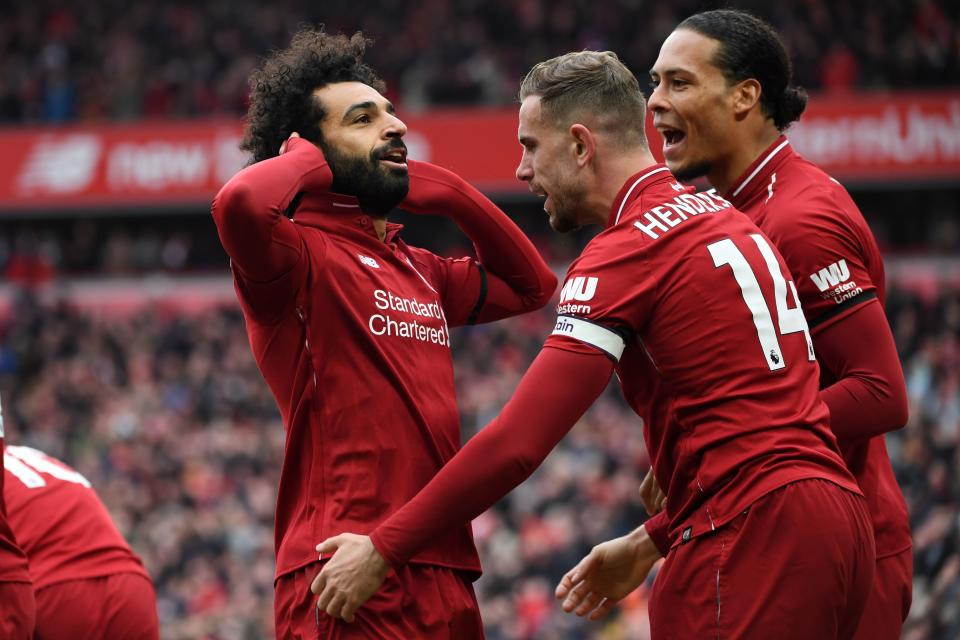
722 99
88 582
349 326
17 605
690 304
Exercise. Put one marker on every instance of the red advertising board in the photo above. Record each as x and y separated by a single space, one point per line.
897 138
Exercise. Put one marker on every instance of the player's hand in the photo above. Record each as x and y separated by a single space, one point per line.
283 145
350 577
651 495
610 572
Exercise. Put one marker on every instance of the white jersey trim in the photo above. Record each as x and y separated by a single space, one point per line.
634 186
608 341
759 167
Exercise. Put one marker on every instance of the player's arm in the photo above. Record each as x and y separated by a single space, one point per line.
613 569
608 574
826 252
869 397
514 277
557 389
250 211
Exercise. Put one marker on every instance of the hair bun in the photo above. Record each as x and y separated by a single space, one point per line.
792 103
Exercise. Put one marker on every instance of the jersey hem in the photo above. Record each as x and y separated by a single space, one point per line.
92 576
680 535
887 554
474 572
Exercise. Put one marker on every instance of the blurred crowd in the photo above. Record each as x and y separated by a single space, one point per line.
114 60
169 418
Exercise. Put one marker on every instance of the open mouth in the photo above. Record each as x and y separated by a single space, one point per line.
542 194
396 157
671 137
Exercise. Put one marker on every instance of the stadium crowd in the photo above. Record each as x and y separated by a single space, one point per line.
166 413
168 417
115 60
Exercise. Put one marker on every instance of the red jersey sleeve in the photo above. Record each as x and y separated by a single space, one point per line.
831 271
658 528
602 303
547 403
869 397
252 211
509 277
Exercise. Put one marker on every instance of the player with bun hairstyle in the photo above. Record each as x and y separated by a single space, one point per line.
722 99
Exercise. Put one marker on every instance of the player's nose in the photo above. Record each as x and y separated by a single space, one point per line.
395 127
657 101
524 171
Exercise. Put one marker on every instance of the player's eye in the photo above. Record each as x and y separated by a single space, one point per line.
654 84
362 119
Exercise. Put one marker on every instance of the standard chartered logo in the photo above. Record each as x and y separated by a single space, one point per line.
423 327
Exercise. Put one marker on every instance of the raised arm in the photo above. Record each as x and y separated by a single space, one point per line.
869 397
548 402
518 279
250 210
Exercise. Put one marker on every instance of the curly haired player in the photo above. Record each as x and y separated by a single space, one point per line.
349 326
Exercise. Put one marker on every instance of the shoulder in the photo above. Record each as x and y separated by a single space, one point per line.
802 187
807 204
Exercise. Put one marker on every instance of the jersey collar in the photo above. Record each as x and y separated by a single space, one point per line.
752 181
329 210
634 186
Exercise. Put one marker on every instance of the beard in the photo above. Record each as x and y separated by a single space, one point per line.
565 204
563 218
691 171
377 188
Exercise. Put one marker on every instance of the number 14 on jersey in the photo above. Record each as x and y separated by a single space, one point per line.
725 252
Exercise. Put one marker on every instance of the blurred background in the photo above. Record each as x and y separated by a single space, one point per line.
122 350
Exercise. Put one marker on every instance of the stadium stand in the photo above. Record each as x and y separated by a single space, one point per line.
168 416
114 60
122 350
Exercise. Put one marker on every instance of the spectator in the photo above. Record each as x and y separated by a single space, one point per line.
168 416
110 60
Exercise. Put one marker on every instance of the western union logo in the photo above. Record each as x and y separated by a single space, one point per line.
831 276
580 288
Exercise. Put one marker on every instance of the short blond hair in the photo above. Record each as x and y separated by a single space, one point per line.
593 83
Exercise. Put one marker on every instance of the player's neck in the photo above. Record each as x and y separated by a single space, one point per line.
620 168
742 154
380 226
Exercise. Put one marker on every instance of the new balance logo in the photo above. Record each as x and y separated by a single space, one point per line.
580 288
367 260
61 164
831 276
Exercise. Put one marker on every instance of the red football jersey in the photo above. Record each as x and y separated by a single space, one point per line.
836 264
353 339
13 564
695 305
60 522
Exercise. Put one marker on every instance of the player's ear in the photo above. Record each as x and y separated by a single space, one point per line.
584 143
746 96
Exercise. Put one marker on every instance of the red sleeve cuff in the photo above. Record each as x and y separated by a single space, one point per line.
658 528
384 552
